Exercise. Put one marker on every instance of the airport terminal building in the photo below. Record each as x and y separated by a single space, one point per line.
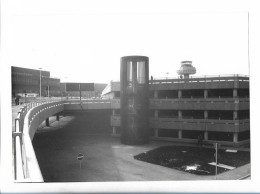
215 108
27 81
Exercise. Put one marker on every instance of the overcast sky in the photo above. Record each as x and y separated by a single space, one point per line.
83 42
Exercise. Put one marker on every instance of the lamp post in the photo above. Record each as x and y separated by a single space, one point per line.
167 75
40 84
65 87
48 91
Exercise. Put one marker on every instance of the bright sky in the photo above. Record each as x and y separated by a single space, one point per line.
84 41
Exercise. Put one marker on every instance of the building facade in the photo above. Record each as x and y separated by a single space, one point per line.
94 93
182 109
25 81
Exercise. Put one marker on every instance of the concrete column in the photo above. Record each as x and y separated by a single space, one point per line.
156 94
179 134
179 94
114 130
206 137
205 93
205 114
235 115
235 137
57 117
156 113
179 114
234 93
156 132
47 122
113 112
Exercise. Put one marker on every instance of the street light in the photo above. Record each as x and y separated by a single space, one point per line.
40 84
61 91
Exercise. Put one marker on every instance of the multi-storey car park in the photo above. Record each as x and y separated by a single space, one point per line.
184 108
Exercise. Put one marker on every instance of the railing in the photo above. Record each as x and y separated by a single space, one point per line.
200 103
202 76
193 124
219 78
92 104
26 168
21 140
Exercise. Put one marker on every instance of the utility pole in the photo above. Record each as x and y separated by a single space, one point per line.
40 84
79 93
216 157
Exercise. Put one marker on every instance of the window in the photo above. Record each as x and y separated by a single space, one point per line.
141 72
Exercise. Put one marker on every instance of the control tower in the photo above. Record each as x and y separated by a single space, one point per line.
186 69
134 100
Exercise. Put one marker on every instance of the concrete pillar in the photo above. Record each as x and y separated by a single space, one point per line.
235 137
179 114
47 122
156 113
179 94
206 135
113 112
114 130
156 132
235 115
179 134
156 94
234 93
205 93
205 114
57 117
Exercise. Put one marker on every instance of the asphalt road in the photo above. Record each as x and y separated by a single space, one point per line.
105 158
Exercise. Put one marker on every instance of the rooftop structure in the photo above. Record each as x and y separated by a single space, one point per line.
186 69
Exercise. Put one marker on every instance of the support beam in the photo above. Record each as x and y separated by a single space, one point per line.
235 137
156 131
57 117
179 134
113 112
205 93
179 94
234 93
114 131
47 122
234 115
205 114
156 94
206 135
179 114
156 112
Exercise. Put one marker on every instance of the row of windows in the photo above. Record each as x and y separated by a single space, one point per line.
199 114
189 134
35 81
21 74
213 93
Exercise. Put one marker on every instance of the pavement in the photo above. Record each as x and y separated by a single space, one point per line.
105 158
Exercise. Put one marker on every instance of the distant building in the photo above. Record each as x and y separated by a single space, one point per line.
27 81
91 90
185 108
